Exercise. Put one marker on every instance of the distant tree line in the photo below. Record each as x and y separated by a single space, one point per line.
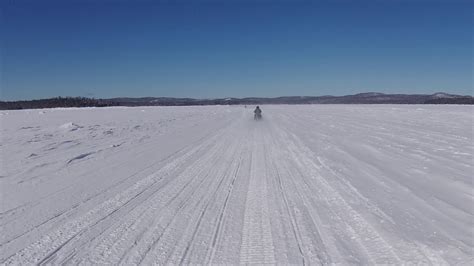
362 98
56 102
460 100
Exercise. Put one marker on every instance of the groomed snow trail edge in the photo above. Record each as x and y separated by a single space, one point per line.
208 185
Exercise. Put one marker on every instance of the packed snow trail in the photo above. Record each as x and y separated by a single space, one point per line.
209 185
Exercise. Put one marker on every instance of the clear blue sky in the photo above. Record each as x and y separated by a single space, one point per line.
208 49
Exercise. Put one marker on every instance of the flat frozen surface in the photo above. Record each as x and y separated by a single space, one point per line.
351 184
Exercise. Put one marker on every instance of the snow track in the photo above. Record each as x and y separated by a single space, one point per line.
257 242
306 185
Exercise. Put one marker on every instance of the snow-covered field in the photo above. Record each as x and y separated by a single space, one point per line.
322 184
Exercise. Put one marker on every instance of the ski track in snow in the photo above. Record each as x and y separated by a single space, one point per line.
324 184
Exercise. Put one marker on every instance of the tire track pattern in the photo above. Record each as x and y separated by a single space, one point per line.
257 243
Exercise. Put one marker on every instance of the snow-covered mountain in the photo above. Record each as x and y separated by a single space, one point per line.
444 95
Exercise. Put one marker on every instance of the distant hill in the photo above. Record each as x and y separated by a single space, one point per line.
55 102
361 98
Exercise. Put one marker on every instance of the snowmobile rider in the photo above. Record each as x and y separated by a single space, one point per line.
258 113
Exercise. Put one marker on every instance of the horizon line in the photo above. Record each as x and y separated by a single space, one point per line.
231 97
